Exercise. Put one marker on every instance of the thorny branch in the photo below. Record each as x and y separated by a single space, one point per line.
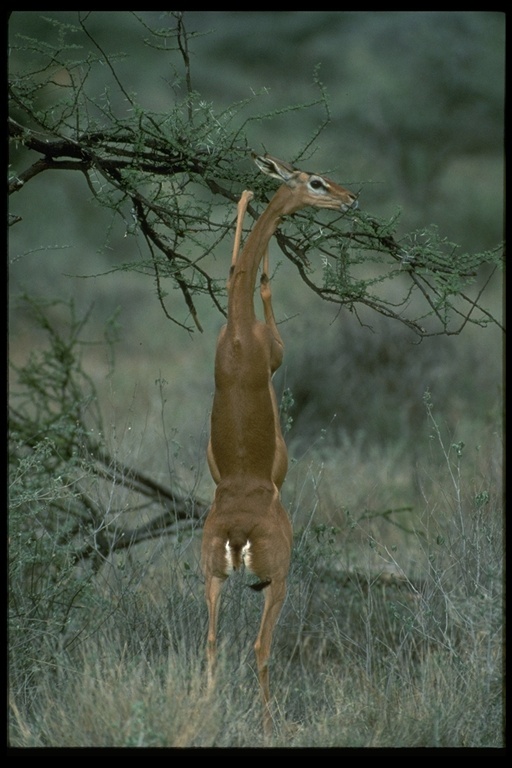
151 166
87 519
111 154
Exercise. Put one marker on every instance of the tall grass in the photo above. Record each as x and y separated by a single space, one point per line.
391 634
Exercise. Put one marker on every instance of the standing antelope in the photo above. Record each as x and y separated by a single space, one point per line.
247 457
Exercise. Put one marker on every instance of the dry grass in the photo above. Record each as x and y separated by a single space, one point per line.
389 637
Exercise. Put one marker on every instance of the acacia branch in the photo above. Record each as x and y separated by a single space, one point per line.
115 153
160 161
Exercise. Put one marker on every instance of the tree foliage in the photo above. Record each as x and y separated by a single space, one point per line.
173 178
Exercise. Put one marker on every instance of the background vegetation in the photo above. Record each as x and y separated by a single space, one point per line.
391 388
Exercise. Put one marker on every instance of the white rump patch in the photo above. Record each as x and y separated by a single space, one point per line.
246 555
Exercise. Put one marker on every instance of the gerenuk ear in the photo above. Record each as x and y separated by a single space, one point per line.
274 167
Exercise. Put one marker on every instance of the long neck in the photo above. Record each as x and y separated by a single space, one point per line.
243 279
